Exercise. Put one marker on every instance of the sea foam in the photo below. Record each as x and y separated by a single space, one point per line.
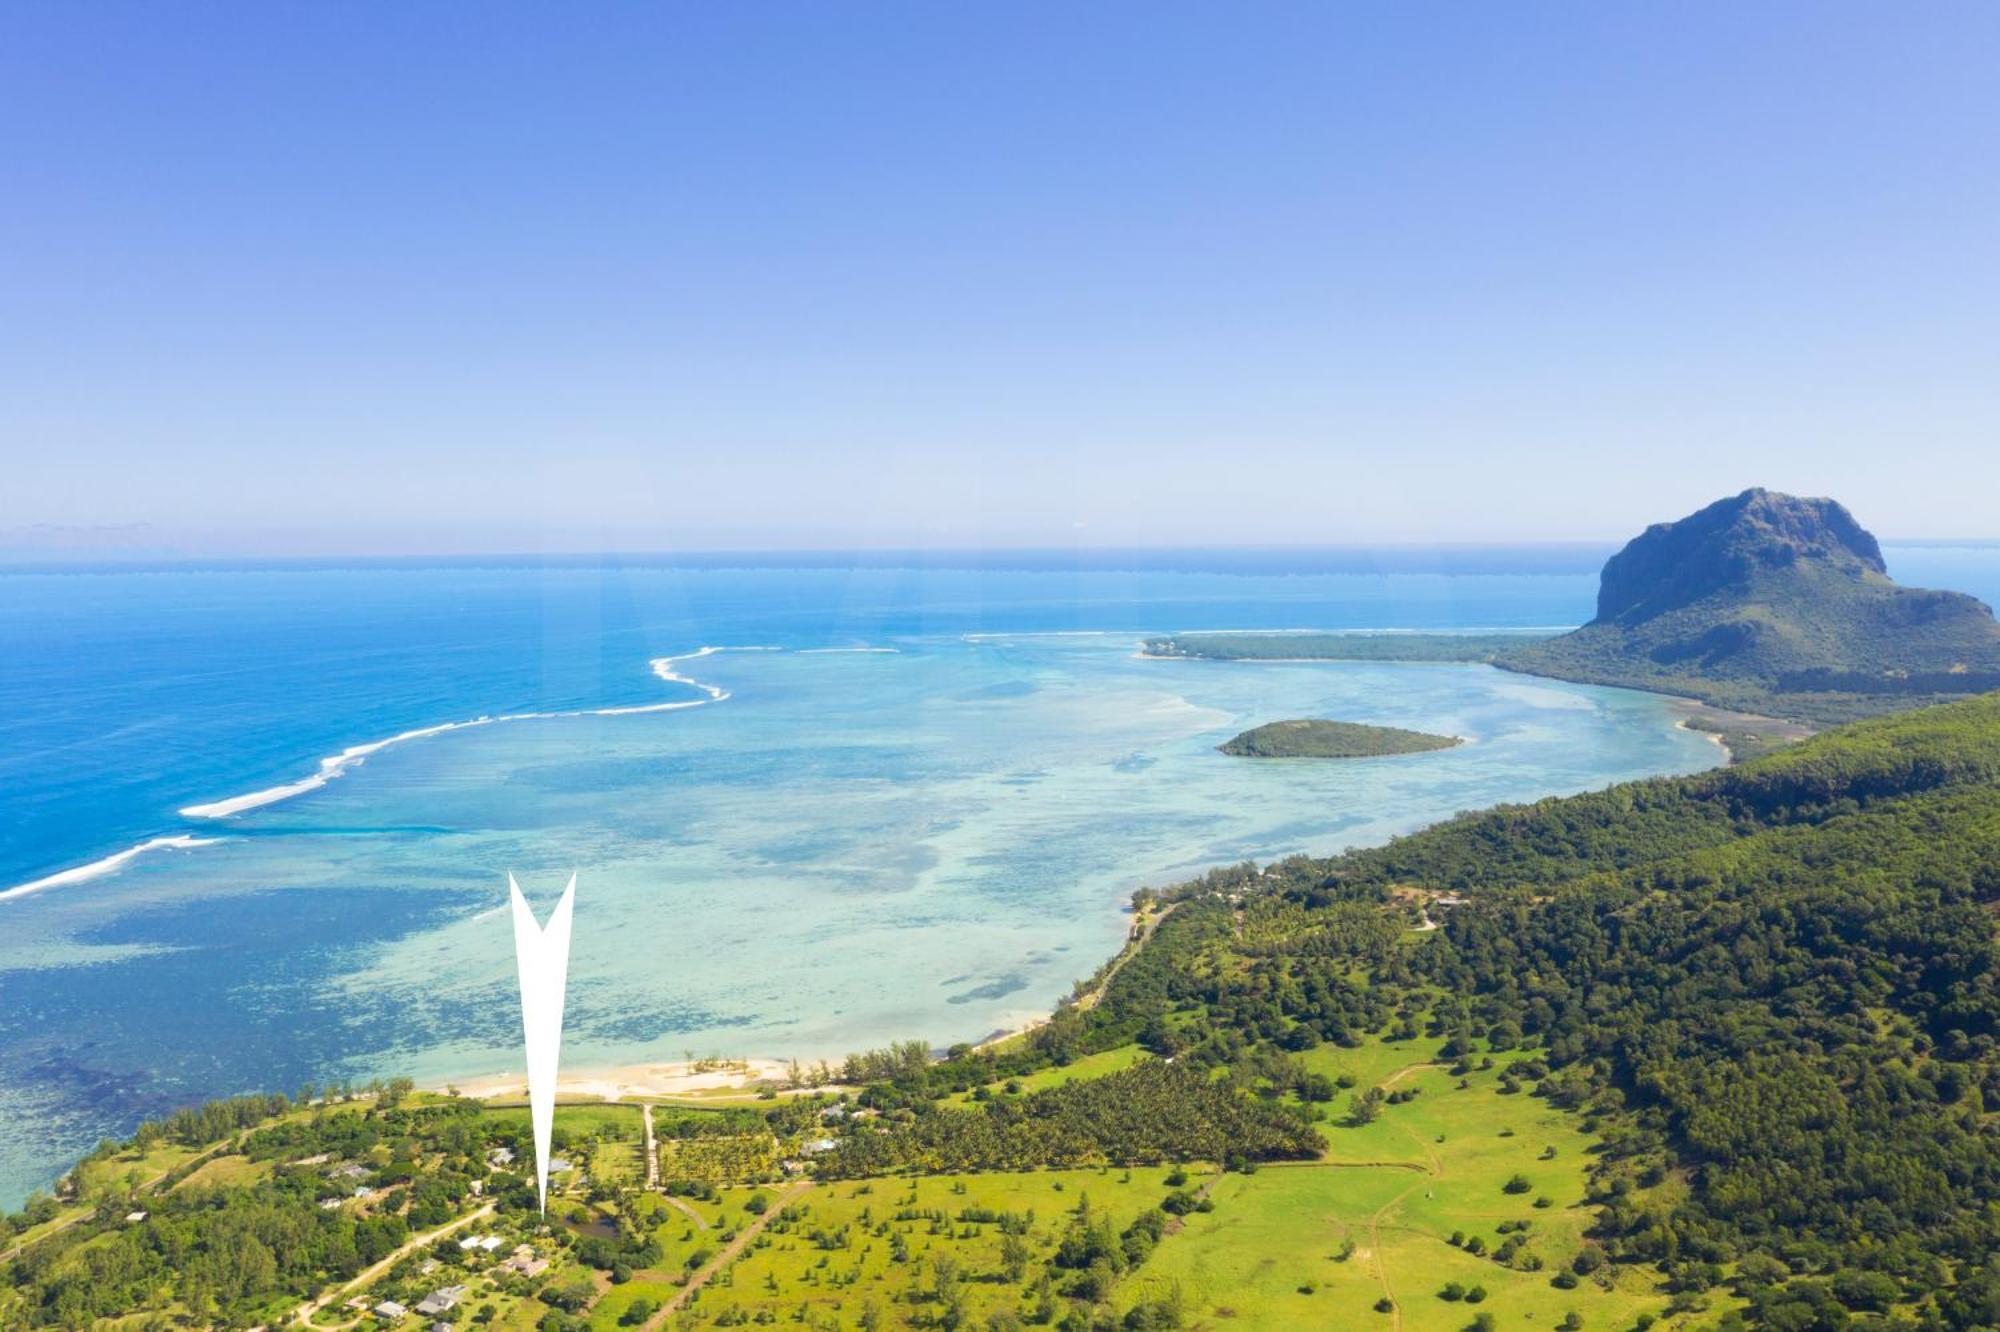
346 760
97 869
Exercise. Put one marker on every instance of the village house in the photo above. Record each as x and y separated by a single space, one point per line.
525 1262
441 1301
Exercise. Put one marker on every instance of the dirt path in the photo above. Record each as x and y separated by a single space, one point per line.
1417 1166
409 1246
56 1228
728 1254
652 1150
1433 1169
149 1186
1131 950
1406 1070
700 1221
1381 1265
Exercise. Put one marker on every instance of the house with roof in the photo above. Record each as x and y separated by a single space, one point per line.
441 1301
525 1262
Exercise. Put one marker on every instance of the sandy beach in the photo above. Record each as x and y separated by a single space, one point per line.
639 1081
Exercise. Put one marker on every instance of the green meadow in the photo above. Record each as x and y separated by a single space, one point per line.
1424 1195
1089 1066
921 1251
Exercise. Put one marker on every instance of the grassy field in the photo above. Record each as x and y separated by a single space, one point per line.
1090 1066
896 1244
131 1165
221 1170
687 1240
1458 1199
619 1161
1404 1205
594 1119
1320 1243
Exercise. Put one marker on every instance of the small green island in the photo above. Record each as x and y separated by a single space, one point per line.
1309 738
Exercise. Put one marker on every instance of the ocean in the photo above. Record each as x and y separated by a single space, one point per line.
814 805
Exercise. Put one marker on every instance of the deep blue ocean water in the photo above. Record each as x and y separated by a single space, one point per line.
928 839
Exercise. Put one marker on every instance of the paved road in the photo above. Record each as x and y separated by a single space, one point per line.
409 1246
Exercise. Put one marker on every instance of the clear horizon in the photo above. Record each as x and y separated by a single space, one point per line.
299 281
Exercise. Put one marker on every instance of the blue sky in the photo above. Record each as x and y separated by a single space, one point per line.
438 277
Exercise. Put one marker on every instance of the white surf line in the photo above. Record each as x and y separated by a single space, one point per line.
97 869
808 652
339 764
347 759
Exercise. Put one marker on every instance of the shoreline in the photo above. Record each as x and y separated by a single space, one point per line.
634 1082
721 1079
677 1079
1741 736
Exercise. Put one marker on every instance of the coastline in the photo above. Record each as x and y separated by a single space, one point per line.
722 1079
664 1079
1741 736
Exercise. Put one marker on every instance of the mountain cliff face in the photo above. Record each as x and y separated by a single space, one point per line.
1777 604
1729 545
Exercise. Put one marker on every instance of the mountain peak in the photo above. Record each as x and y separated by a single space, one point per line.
1772 603
1730 546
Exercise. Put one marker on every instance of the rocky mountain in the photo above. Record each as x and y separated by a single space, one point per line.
1775 604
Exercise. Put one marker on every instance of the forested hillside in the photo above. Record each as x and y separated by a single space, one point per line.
1701 1052
1773 989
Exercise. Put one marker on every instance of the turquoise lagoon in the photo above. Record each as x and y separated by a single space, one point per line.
918 810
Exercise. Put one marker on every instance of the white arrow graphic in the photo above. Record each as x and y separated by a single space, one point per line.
542 957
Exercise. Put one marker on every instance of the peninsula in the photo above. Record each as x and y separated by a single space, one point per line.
1773 604
1774 615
